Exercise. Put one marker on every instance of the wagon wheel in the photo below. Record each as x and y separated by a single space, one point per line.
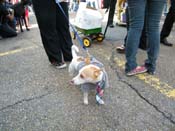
100 37
87 41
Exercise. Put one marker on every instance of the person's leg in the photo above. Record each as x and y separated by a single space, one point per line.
143 41
127 25
6 31
45 11
167 26
26 18
12 24
111 13
136 10
153 16
121 48
62 24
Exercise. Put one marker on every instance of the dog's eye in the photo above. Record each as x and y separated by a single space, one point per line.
81 75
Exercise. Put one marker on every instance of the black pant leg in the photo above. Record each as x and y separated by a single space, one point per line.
111 11
6 31
62 24
168 23
45 11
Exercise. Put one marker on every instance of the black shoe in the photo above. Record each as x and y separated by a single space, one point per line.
111 25
120 49
151 72
165 42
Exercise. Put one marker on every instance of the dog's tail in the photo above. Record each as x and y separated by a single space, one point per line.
75 50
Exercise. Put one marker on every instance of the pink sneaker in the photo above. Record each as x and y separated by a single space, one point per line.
137 70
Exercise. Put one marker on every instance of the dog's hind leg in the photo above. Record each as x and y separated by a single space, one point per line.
71 69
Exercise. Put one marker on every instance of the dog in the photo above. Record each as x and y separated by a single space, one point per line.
89 73
19 12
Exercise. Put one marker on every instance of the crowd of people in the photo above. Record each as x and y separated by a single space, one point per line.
8 21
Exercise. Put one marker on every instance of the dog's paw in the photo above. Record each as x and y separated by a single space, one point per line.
85 102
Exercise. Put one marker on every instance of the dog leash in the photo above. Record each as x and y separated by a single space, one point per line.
73 29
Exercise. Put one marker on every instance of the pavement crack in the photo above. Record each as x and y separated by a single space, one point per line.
167 116
24 100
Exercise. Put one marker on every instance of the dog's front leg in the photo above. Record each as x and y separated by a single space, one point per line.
85 98
71 69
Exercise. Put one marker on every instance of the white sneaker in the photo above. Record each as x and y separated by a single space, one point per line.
59 65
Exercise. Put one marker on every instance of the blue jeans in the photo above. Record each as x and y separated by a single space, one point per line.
140 11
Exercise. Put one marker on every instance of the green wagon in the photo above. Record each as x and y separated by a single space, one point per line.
89 35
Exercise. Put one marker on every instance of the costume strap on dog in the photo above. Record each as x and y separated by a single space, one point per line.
101 85
73 28
100 89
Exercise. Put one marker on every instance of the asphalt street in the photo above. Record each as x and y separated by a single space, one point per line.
35 96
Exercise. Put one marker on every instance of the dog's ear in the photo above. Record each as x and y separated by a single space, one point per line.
82 75
96 73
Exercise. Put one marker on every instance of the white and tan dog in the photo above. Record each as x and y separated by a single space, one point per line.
90 73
